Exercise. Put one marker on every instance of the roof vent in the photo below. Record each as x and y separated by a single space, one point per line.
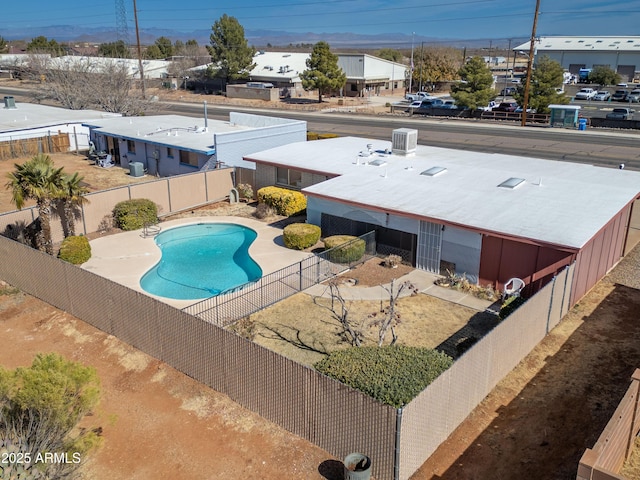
9 102
404 141
433 171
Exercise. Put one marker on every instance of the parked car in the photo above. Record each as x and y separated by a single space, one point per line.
418 96
451 104
620 96
415 104
529 110
585 94
634 95
506 107
602 96
508 91
620 114
427 105
490 106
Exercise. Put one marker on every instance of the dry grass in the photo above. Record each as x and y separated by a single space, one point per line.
631 468
304 331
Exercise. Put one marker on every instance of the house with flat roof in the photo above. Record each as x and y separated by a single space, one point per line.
173 144
491 217
621 54
60 128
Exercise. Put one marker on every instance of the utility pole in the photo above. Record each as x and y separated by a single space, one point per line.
421 63
411 69
135 16
525 102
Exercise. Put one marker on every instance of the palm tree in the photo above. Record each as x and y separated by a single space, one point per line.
37 179
72 196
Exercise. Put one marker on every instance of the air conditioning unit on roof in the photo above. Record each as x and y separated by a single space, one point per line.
404 141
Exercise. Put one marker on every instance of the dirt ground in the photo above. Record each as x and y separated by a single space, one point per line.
158 423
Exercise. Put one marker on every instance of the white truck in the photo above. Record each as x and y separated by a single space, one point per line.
412 97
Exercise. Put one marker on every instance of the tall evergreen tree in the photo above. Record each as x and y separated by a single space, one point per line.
323 72
231 55
475 90
545 78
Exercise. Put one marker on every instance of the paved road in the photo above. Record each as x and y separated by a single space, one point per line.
599 147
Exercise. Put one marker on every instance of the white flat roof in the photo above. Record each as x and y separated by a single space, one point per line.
614 44
28 116
559 203
186 133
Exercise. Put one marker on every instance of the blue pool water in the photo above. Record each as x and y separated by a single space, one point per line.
202 260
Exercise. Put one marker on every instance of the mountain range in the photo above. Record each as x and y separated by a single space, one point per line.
258 38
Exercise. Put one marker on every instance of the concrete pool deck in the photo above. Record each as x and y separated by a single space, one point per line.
126 257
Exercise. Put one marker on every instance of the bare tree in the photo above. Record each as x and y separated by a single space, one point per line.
389 316
340 311
84 82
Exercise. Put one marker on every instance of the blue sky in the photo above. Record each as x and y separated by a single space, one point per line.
460 19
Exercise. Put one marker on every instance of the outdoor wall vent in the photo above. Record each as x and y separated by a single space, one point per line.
404 141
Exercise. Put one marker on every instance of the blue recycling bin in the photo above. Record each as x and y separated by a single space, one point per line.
582 124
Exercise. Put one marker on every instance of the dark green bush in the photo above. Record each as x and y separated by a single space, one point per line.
510 305
134 214
394 374
75 249
299 236
344 248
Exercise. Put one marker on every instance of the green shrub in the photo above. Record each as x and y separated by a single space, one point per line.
299 236
284 201
75 249
344 248
510 305
134 214
393 374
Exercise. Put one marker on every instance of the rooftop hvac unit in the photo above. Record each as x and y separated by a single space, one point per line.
404 141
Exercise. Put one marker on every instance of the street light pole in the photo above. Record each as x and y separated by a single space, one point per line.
411 69
525 102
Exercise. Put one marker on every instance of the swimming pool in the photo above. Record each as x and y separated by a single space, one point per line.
202 260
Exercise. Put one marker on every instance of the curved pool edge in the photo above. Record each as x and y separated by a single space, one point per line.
125 257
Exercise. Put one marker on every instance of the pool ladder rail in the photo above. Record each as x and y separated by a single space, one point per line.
150 229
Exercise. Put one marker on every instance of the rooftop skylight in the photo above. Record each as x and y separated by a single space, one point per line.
378 162
513 182
433 171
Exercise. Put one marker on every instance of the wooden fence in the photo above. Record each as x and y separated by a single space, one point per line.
605 459
29 147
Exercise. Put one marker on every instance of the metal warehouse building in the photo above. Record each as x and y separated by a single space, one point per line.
621 54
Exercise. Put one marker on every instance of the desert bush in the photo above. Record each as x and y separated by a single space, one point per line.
344 248
263 211
392 261
75 249
284 201
393 375
461 282
245 190
134 214
299 236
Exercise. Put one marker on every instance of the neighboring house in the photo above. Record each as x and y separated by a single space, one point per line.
367 74
490 217
621 54
172 144
150 68
22 121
